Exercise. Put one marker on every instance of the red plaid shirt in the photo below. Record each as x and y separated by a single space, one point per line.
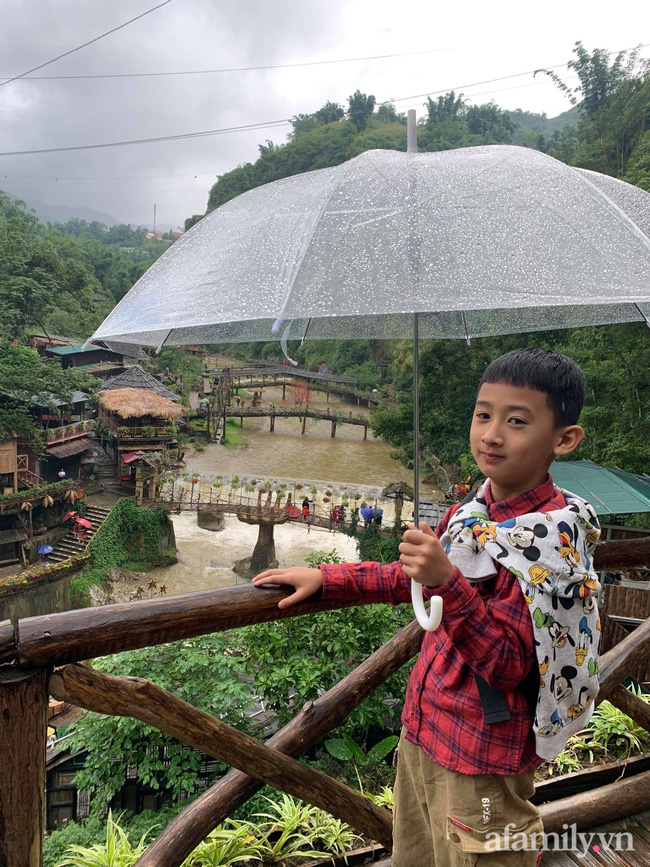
486 629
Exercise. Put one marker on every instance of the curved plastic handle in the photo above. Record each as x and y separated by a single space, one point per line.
428 620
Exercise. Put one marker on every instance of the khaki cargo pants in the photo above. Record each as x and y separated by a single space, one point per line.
447 819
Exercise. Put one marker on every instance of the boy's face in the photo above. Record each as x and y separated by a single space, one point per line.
514 437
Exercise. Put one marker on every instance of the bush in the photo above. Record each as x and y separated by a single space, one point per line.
128 535
88 833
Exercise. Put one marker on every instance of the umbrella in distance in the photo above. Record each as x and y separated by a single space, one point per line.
44 550
454 244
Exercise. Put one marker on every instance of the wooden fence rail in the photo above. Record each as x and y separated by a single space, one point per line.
29 648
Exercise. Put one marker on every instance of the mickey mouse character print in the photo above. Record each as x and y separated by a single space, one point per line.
551 555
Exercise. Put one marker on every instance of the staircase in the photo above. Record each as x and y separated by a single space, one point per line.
25 476
70 546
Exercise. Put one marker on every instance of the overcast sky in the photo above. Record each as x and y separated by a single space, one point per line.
477 41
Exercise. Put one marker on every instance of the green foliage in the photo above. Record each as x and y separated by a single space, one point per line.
360 108
610 732
290 832
307 655
25 376
229 843
203 671
64 278
87 833
129 535
372 546
385 798
179 362
346 749
315 558
116 851
91 831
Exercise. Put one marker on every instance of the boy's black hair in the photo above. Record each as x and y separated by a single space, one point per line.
558 376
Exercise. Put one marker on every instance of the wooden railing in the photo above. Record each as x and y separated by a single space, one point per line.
30 648
68 431
150 431
25 475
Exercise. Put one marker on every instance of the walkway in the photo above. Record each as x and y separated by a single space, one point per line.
304 412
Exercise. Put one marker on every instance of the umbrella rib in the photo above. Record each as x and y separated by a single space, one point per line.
598 195
306 244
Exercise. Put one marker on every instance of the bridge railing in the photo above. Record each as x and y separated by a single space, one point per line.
41 655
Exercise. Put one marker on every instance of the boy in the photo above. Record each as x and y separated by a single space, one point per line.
512 565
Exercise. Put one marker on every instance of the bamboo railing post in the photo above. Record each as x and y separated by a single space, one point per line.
623 658
23 733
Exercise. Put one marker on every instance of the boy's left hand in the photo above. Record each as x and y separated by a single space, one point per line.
423 557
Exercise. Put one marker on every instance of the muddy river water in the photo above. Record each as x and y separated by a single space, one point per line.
345 465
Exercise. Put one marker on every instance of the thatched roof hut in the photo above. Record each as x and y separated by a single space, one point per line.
136 377
137 402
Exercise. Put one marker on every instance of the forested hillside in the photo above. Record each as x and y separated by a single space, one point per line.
605 131
64 278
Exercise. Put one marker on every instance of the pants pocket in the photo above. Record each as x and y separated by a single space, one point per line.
526 837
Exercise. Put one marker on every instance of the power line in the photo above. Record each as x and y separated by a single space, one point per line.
79 47
229 69
108 177
272 124
267 124
493 80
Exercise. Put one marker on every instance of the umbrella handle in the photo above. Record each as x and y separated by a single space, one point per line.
430 620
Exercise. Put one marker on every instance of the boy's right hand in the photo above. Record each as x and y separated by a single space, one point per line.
306 582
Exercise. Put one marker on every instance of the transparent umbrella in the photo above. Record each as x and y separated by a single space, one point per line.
454 244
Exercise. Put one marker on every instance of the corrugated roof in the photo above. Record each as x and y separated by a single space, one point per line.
610 491
136 377
129 350
66 450
66 350
13 535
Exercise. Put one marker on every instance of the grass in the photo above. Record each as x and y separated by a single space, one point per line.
234 439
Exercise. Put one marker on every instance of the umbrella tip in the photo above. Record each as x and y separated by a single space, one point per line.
86 344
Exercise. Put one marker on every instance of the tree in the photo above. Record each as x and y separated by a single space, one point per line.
445 107
638 168
192 221
330 113
386 114
203 671
360 109
26 377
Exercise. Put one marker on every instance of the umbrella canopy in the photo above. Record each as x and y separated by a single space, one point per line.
487 240
44 549
68 515
83 522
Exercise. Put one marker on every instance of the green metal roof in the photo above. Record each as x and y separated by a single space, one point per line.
67 350
610 491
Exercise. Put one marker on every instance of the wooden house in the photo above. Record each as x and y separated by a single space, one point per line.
136 420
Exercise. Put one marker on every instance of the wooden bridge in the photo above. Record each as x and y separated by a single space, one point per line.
256 377
42 655
304 412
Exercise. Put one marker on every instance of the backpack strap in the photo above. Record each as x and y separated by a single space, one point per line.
493 702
